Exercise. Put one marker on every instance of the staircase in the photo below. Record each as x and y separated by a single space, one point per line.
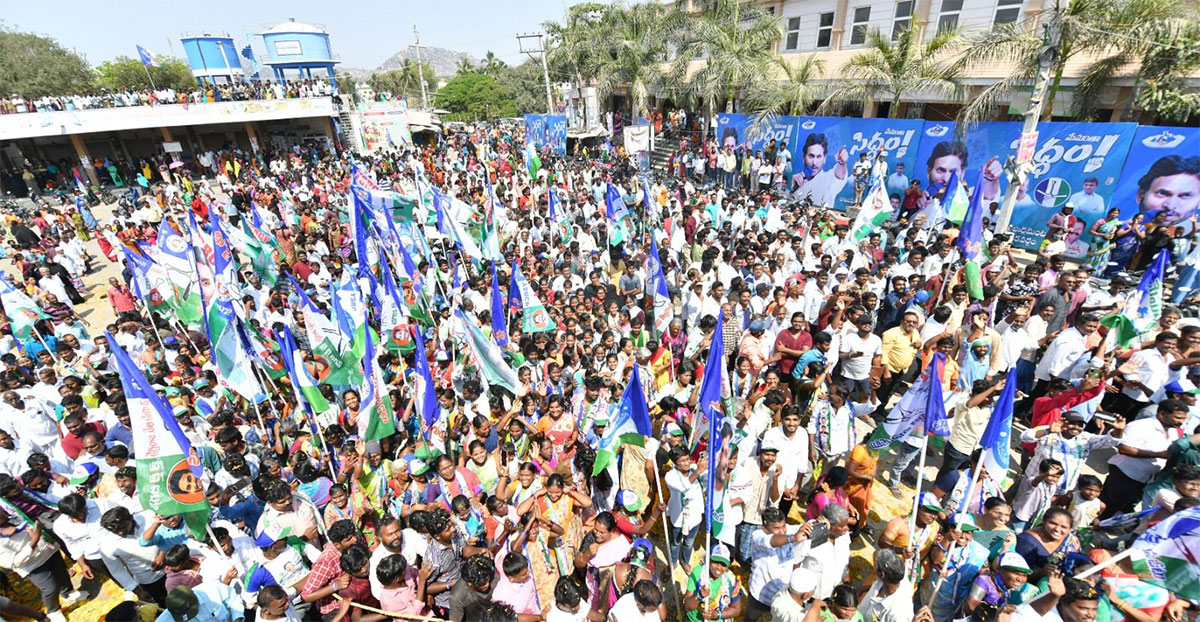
660 156
347 132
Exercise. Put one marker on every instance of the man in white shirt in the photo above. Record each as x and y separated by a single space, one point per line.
1140 456
685 509
1064 352
1143 375
791 441
774 557
890 598
860 353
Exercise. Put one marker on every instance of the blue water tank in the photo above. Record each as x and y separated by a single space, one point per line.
213 58
300 46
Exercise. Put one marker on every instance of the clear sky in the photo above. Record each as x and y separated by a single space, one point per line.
363 33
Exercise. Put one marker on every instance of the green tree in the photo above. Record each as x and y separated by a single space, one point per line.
404 81
125 73
1163 89
577 46
474 96
491 64
465 66
632 48
735 41
34 66
524 86
347 84
891 67
1101 29
792 90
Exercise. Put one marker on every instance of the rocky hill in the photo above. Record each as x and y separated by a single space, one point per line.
443 61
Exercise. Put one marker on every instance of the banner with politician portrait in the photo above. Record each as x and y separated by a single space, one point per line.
1074 162
1161 174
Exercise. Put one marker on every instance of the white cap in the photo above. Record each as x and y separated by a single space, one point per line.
803 581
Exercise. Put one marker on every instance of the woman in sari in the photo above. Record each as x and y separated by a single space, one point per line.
860 471
1103 231
1049 542
638 567
560 505
602 549
1126 241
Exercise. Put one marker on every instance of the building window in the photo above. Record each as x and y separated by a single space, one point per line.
1007 11
903 17
858 32
948 20
825 30
793 34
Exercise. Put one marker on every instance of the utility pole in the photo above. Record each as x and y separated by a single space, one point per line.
420 71
1022 164
541 49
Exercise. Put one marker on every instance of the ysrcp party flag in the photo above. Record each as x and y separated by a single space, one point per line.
169 470
920 410
876 209
656 285
1142 307
1170 552
535 319
630 424
234 364
492 368
22 311
376 419
302 382
499 317
175 256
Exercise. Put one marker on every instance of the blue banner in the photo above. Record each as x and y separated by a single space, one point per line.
734 129
546 129
535 130
828 147
556 133
1074 161
1161 173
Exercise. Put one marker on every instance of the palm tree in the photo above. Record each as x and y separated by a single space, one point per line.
1162 88
492 64
633 48
1112 30
791 93
576 45
890 68
465 66
735 42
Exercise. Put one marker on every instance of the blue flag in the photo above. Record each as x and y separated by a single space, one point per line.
555 205
515 303
169 469
970 240
426 394
499 320
935 423
147 58
614 203
713 384
716 425
359 224
999 428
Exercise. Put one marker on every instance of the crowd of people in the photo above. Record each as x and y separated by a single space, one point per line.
199 94
530 500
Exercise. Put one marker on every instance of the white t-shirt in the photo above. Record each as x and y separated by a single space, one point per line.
558 615
859 367
792 454
626 610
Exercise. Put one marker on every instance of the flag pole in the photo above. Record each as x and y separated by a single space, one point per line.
912 519
667 534
147 69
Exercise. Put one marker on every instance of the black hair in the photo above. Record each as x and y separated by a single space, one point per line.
478 571
176 556
354 558
647 594
1167 166
566 592
391 568
514 563
74 506
269 594
607 520
341 530
1087 480
947 148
